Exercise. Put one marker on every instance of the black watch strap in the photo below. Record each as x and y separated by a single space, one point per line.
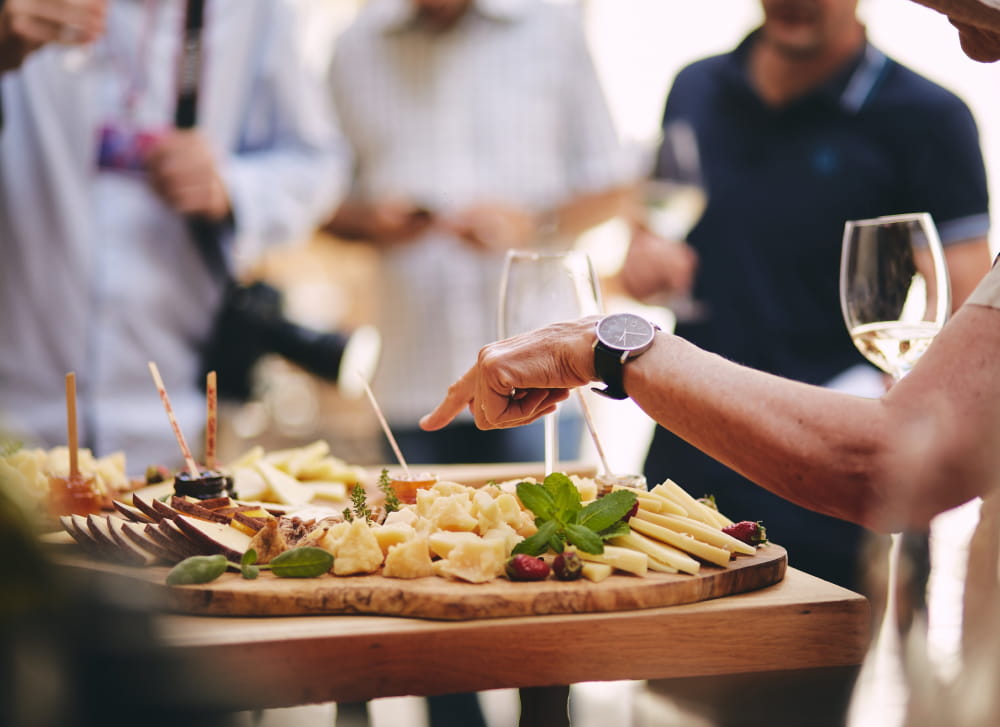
608 365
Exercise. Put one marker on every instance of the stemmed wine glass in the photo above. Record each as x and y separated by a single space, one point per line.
543 286
674 199
894 290
895 297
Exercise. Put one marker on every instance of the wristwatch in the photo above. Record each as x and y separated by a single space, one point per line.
620 338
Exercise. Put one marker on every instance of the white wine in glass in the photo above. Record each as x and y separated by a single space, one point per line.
894 290
543 286
675 199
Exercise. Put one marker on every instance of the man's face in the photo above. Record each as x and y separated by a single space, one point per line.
807 27
440 14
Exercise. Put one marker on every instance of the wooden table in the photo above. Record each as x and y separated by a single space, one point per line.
800 623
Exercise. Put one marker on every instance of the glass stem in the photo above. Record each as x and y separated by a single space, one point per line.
551 443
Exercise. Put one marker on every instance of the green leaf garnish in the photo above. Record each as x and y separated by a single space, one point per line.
197 569
584 538
539 542
619 528
392 503
359 505
11 447
302 562
247 567
605 511
561 517
537 499
564 493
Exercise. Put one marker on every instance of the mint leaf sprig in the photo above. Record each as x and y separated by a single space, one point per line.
301 562
561 517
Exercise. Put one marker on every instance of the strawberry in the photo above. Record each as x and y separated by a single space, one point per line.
631 513
751 533
524 567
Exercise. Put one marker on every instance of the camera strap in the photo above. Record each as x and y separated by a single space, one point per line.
206 234
189 73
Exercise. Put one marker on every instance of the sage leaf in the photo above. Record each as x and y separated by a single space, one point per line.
303 562
605 511
250 572
197 569
247 567
584 538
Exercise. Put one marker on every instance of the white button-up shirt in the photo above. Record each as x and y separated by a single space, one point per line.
504 106
97 274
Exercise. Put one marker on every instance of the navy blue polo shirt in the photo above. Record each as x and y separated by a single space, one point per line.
876 139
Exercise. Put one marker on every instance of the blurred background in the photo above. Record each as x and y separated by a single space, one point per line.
638 47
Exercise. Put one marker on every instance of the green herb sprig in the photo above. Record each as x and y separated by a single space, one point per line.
10 447
359 509
301 562
392 503
561 517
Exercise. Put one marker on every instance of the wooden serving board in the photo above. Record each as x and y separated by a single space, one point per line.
441 599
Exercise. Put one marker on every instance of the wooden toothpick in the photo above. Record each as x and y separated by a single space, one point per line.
191 465
384 423
72 440
593 431
212 423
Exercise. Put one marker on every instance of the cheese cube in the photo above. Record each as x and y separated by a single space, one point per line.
475 561
443 541
411 559
393 534
358 551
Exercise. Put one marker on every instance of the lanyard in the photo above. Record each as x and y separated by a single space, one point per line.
189 74
135 84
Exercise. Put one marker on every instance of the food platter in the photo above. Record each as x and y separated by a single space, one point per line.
437 598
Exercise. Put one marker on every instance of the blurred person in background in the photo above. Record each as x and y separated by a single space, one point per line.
477 126
100 273
803 126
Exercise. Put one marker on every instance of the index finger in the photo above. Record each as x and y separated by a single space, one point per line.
458 397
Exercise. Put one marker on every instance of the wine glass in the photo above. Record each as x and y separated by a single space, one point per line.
894 290
674 199
543 286
895 297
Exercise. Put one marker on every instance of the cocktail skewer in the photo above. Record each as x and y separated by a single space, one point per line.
191 465
593 431
385 424
72 439
212 420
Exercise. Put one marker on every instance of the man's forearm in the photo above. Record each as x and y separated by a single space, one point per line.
968 262
889 463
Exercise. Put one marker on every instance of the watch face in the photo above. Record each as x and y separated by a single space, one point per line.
625 331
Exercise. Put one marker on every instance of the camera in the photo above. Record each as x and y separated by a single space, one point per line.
251 323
